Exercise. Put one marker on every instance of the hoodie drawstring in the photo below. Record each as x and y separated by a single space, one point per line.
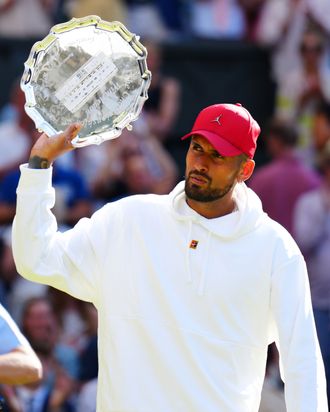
202 281
189 276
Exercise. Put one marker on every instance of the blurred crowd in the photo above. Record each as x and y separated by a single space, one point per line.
293 183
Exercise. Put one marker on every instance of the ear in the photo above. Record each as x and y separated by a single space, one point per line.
246 170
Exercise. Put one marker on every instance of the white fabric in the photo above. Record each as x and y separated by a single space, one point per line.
170 340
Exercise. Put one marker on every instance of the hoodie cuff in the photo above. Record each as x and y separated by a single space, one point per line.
35 179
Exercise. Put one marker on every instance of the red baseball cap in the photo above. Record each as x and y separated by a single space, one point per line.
229 128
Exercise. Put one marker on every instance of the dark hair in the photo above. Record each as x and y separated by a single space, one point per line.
323 109
283 131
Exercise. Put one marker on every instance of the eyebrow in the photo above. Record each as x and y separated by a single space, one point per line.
212 151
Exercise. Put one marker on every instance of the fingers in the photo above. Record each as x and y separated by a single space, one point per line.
73 130
70 133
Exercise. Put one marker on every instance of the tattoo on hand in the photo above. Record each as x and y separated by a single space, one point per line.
36 162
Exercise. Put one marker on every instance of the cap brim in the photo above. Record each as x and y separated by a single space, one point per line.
220 144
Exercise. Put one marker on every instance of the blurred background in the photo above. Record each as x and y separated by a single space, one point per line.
272 56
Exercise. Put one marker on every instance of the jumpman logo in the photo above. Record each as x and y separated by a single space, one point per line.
217 119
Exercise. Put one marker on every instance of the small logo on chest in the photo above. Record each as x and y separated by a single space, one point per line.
193 244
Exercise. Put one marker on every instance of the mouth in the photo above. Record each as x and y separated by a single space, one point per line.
198 180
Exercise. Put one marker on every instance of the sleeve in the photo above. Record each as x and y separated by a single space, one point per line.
11 337
67 261
301 363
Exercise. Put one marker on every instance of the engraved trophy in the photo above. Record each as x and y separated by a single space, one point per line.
89 71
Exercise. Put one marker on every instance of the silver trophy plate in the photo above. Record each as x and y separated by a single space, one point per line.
89 71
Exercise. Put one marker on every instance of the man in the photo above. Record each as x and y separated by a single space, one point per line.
18 362
190 287
312 232
290 177
54 391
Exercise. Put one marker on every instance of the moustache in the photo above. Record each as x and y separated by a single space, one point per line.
203 175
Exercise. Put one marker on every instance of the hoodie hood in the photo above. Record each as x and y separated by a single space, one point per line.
247 218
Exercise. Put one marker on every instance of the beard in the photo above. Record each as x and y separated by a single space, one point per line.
205 194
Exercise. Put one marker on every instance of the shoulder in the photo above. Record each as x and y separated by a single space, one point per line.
280 240
142 204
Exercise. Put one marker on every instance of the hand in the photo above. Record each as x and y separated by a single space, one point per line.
47 149
63 388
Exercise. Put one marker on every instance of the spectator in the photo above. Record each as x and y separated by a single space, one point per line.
54 392
273 21
15 133
285 178
22 22
304 87
162 106
312 232
88 356
18 290
142 166
144 18
252 10
215 19
73 320
72 193
25 19
173 13
86 400
281 26
321 128
19 364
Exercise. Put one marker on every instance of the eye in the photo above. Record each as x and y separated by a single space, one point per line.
217 156
196 147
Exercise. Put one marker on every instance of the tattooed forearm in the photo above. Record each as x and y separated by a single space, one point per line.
36 162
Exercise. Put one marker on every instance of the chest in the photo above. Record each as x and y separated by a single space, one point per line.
193 279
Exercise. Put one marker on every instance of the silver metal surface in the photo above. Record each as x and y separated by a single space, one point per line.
89 71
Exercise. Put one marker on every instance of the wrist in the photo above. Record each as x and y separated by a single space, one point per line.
38 162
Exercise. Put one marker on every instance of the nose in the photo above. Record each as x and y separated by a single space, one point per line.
201 164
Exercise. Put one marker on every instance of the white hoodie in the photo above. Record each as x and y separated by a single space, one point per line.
180 329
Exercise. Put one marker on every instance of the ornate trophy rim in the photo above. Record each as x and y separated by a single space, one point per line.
123 120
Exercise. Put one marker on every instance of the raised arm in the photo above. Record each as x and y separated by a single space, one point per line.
42 254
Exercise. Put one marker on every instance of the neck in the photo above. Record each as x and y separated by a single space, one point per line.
214 209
